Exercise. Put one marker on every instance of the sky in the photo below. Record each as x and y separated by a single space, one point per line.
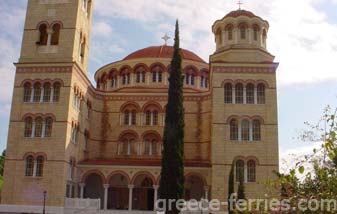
302 36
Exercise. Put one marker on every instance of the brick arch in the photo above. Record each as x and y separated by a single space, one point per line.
93 171
25 81
239 81
28 154
251 157
187 69
255 25
240 157
118 172
256 117
41 23
130 103
152 132
250 81
158 64
229 26
148 174
152 103
104 77
112 73
44 155
227 81
204 71
263 82
128 132
123 68
50 115
140 65
25 116
58 81
237 117
197 174
57 22
47 81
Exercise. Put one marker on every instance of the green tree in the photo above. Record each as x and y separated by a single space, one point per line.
318 179
2 162
231 189
172 171
241 189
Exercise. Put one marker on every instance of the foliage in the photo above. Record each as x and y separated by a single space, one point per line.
230 186
320 182
172 172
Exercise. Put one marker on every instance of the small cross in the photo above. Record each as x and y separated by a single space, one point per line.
166 38
240 3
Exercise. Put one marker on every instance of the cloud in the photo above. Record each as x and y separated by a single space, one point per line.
300 36
102 29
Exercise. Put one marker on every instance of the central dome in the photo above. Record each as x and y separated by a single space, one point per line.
163 51
237 13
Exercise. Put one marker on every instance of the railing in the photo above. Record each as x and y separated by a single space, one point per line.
82 206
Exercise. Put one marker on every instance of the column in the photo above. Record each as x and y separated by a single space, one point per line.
106 188
51 95
50 32
130 196
42 94
82 185
155 187
255 95
244 95
250 130
206 188
240 130
233 94
245 174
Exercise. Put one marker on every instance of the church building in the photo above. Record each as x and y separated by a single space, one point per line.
72 139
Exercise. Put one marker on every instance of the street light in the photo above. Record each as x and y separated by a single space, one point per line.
44 201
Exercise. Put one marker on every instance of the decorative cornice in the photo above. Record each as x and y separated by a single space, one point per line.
268 70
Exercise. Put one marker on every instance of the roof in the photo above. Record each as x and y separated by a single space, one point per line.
237 13
163 51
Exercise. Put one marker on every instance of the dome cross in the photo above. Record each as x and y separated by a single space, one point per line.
240 3
166 38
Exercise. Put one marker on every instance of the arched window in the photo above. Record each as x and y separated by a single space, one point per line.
239 170
243 30
39 166
56 94
133 117
126 79
46 92
126 117
230 32
28 127
234 129
239 93
37 92
48 127
27 94
148 118
38 127
255 32
113 81
82 49
256 130
228 93
29 165
155 118
150 145
140 77
43 35
55 37
250 93
264 38
128 146
251 171
245 130
74 133
218 33
157 75
261 99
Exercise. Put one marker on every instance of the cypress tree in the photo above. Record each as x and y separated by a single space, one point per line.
231 188
172 171
241 189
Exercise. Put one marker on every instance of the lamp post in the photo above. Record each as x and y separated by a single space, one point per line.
44 201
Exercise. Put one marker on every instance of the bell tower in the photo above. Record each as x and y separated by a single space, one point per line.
45 138
57 31
244 104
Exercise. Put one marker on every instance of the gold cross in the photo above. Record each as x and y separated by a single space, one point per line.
240 3
166 38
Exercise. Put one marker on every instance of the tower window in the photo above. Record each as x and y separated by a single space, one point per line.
39 166
37 92
250 93
46 92
29 166
234 129
56 94
245 130
256 130
251 171
255 32
28 127
38 127
243 32
56 34
228 93
239 170
43 35
239 93
261 99
27 94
